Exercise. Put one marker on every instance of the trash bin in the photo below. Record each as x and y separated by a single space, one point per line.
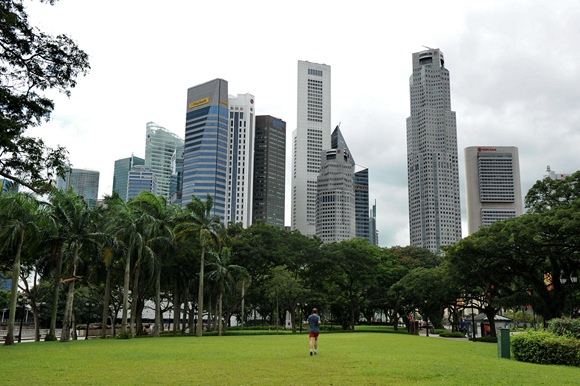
503 343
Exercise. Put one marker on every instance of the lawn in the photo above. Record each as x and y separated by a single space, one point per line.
356 358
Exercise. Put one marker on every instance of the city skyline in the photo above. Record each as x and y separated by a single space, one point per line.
510 85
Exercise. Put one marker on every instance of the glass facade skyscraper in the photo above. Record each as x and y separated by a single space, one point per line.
140 179
160 146
361 203
269 170
206 144
83 182
121 174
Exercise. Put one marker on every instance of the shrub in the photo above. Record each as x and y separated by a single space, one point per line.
546 348
454 334
126 335
50 338
440 331
565 327
486 339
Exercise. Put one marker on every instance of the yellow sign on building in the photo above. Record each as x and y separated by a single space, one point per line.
197 103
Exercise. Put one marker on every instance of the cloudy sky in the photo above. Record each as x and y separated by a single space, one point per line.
514 66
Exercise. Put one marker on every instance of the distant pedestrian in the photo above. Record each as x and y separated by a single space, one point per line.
314 324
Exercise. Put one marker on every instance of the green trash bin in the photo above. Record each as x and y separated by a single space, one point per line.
503 343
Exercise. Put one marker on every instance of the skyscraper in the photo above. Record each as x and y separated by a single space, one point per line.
335 201
553 175
83 182
434 208
140 179
240 159
361 203
176 180
206 144
269 170
374 233
121 174
160 144
493 185
7 185
310 139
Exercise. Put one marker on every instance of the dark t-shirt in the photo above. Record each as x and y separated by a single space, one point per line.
313 321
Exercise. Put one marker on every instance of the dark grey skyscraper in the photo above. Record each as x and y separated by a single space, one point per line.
206 144
361 203
269 170
374 233
121 174
434 209
83 182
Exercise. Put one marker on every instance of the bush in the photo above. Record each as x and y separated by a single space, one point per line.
486 339
546 348
565 327
440 331
126 335
454 334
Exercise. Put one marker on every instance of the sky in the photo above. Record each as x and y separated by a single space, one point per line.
514 71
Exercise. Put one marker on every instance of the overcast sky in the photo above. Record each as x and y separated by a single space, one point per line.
514 69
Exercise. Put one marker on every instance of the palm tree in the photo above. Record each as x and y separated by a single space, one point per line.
202 225
20 214
222 275
79 227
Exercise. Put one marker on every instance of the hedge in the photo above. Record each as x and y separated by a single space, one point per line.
486 339
454 334
546 348
565 327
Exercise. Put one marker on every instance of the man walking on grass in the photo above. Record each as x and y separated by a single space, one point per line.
314 324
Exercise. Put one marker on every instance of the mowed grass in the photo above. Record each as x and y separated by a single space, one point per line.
355 358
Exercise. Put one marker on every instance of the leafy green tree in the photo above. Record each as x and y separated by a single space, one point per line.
32 62
20 217
285 289
548 194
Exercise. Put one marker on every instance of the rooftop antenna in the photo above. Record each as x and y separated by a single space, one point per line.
429 48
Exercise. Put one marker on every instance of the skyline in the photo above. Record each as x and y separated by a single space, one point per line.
511 84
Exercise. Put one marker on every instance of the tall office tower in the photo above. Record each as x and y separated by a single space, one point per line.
240 159
553 175
494 191
434 209
83 182
121 174
373 232
176 180
206 145
141 179
361 203
269 171
310 139
8 186
160 144
335 201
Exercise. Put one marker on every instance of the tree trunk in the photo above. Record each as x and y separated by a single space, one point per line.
106 302
14 292
219 313
68 310
184 318
191 325
54 310
491 312
157 327
176 309
209 314
243 313
135 296
139 316
126 280
199 327
74 327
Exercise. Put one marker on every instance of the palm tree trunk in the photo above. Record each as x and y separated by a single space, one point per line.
199 327
135 296
176 308
219 313
209 314
243 302
54 310
126 280
68 310
106 302
14 293
157 327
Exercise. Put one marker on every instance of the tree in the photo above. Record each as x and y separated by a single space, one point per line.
222 274
286 290
20 217
548 194
203 226
31 63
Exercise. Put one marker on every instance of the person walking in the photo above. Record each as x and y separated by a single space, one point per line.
314 324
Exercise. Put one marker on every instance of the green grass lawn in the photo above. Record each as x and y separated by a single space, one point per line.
360 358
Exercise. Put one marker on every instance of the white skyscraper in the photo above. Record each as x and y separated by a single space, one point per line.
494 191
311 137
241 130
434 208
160 144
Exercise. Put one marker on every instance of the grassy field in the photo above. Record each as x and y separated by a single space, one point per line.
360 358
